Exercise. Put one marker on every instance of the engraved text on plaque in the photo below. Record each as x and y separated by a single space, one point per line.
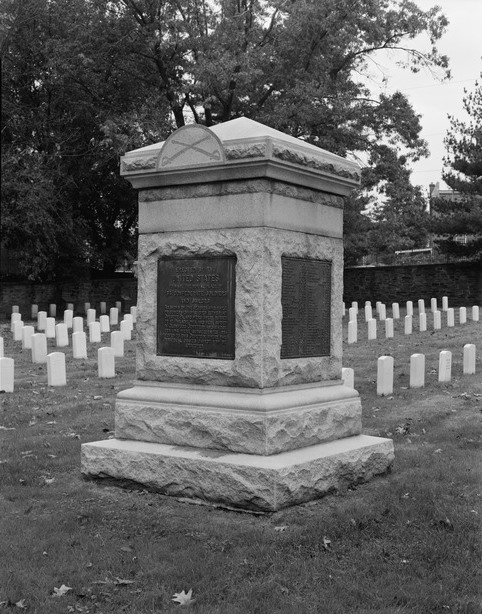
306 305
196 307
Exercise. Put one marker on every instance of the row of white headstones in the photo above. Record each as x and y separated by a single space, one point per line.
386 364
47 328
381 311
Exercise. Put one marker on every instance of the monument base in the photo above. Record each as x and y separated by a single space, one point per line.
244 481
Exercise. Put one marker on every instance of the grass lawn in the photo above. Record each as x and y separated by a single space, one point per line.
406 542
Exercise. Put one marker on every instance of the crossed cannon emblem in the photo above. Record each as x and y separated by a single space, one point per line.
212 155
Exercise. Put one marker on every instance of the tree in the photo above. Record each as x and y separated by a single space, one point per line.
461 217
84 80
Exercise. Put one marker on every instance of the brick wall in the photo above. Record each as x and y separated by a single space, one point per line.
93 291
461 282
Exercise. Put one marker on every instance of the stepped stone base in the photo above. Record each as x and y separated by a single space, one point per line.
252 421
244 481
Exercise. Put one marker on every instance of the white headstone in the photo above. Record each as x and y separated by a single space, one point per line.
422 322
395 311
344 310
2 350
79 345
475 313
15 317
377 306
27 333
355 305
117 343
86 307
94 332
34 311
7 366
17 330
417 370
445 366
437 320
56 374
433 304
106 362
68 318
50 328
52 310
368 313
39 348
409 306
469 359
385 375
408 325
352 314
445 303
61 335
15 309
118 305
129 319
41 320
103 307
126 330
133 311
389 328
348 377
372 329
78 324
450 317
463 315
104 324
70 306
91 316
382 312
352 331
114 316
421 306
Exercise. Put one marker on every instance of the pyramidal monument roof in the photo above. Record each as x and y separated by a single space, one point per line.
236 144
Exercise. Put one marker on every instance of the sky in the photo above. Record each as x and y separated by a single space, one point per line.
434 100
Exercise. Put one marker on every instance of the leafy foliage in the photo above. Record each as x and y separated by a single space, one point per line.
86 80
461 216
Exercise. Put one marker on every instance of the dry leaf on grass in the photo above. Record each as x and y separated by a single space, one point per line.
326 543
60 592
21 604
184 598
280 529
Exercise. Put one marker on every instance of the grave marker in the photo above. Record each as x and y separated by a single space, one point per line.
126 330
385 375
395 311
103 307
445 303
421 306
50 328
352 314
389 328
17 330
417 370
27 333
7 366
475 313
61 335
2 350
118 305
348 377
437 320
94 332
79 345
114 316
450 317
382 312
56 373
41 320
15 309
463 315
70 307
86 307
422 322
91 316
68 318
433 305
469 359
408 325
409 305
34 311
104 324
52 310
445 366
133 312
106 362
352 331
117 343
372 329
368 313
39 348
15 317
78 324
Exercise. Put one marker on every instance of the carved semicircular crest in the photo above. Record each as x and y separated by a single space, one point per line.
192 145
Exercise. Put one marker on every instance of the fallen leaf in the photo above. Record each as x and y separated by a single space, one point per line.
96 398
326 543
49 480
184 598
21 604
438 451
60 592
280 529
122 582
32 422
6 428
126 549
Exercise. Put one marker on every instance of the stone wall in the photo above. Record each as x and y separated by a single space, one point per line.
79 292
460 281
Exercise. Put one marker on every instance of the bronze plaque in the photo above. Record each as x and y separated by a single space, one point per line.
195 307
306 305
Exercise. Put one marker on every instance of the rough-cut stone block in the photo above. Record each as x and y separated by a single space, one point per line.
242 420
243 481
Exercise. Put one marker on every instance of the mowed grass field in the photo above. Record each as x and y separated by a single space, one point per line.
407 542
